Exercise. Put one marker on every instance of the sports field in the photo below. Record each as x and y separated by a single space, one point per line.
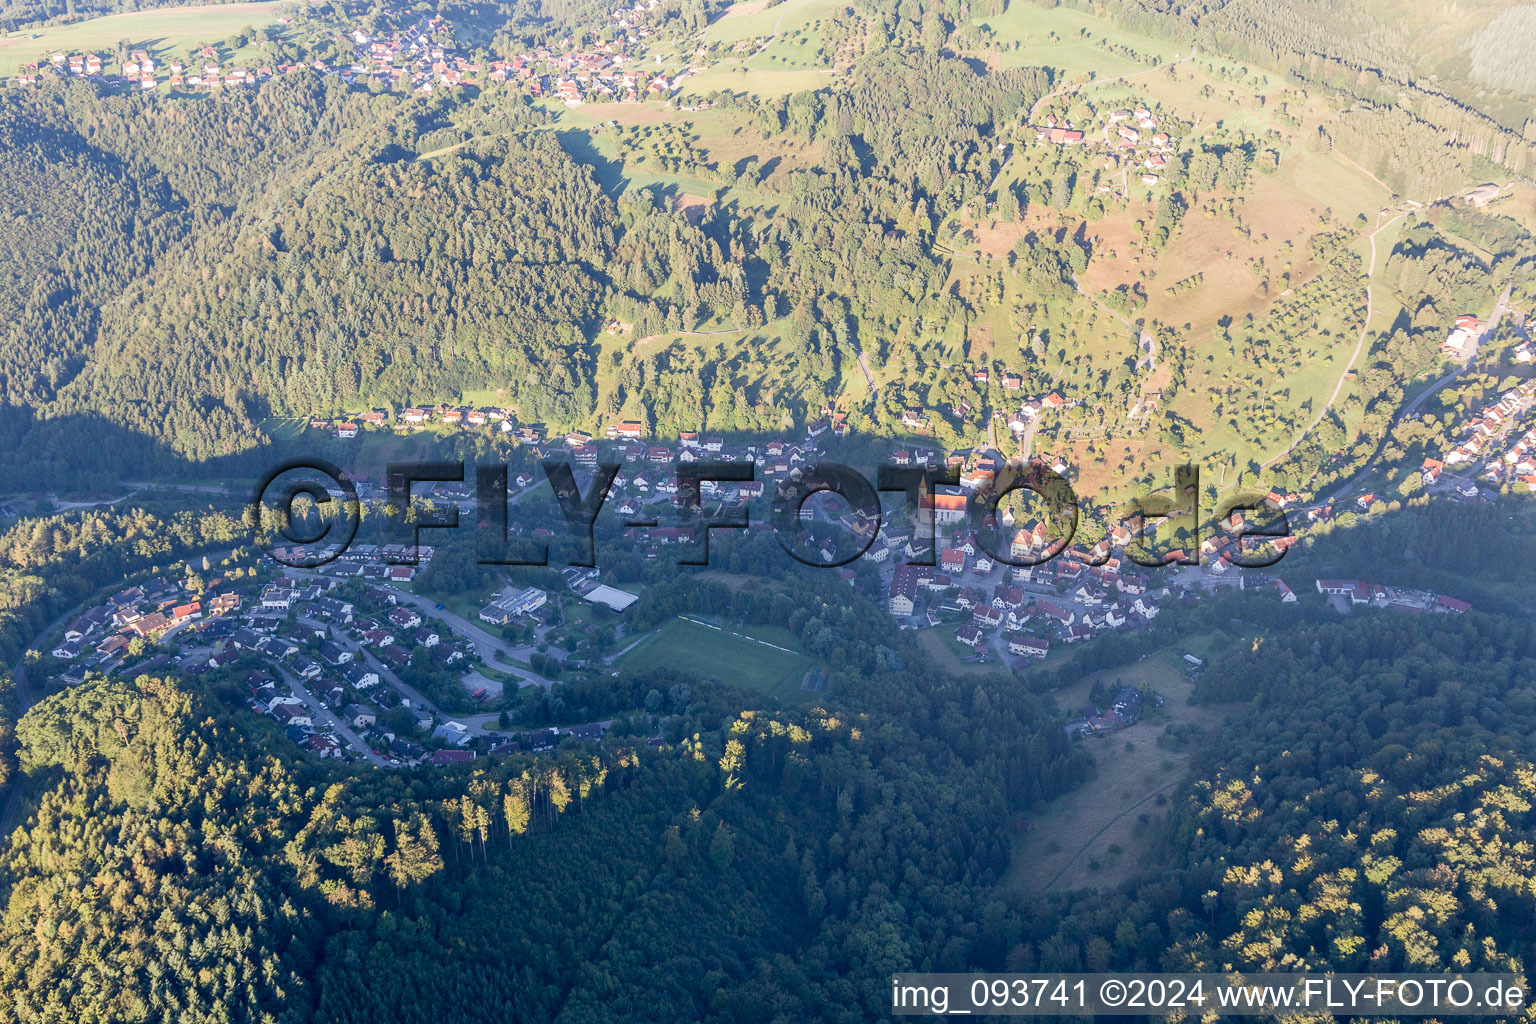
759 658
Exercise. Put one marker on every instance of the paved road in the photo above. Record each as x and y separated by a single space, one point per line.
67 506
387 674
317 709
474 680
486 644
1412 407
163 486
477 723
1407 410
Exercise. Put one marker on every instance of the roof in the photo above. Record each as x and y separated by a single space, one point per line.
904 582
944 502
613 598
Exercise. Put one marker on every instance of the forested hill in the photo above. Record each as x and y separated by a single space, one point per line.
1374 812
107 198
761 866
376 283
183 269
1372 808
307 248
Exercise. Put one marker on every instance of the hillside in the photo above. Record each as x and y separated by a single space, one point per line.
458 770
1197 293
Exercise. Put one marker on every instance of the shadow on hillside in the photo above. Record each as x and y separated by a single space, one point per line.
88 452
578 145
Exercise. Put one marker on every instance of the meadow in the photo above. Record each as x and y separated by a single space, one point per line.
1095 836
161 32
1070 41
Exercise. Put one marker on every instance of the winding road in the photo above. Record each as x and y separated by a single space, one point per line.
1412 407
486 644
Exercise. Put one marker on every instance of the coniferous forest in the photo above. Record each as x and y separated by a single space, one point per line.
875 225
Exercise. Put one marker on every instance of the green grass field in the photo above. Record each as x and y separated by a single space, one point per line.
161 32
752 19
765 83
747 661
1095 837
1069 41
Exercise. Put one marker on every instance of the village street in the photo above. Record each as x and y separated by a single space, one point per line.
319 712
487 645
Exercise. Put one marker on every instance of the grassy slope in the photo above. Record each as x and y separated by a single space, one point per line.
1279 208
1062 844
164 32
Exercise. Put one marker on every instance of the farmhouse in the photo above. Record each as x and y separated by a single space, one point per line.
1059 136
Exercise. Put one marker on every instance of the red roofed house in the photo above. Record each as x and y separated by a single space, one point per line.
182 612
941 508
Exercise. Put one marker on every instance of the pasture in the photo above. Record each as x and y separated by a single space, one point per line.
1094 836
161 32
1070 41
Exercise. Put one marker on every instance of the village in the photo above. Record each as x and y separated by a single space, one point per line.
1485 450
419 59
1009 613
329 657
405 59
1129 138
338 655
